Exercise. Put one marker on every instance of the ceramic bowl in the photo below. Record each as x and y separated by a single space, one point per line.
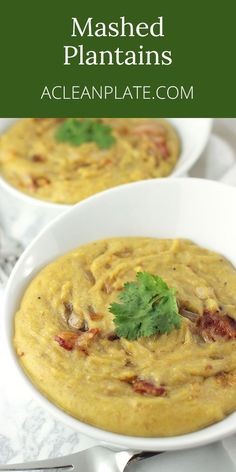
25 215
197 209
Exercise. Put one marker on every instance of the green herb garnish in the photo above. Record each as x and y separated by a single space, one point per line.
148 306
77 132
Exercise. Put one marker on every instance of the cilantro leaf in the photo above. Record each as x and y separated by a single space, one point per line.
148 306
77 132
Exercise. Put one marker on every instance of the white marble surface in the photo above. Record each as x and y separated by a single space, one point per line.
28 432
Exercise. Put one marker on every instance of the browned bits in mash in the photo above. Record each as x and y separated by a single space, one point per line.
96 316
81 340
104 163
89 276
112 337
107 287
73 319
93 315
40 181
212 326
146 388
38 158
86 338
156 136
67 340
225 379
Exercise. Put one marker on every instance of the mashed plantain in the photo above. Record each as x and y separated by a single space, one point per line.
160 385
33 161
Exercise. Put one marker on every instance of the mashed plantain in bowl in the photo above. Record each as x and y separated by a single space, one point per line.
66 160
133 335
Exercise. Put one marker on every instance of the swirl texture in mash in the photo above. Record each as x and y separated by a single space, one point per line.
154 386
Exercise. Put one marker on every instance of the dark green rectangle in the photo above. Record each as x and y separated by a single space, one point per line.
200 36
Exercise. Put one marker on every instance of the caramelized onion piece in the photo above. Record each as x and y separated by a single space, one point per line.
73 319
93 315
113 337
96 316
86 338
145 388
148 388
40 181
190 315
107 287
67 340
89 276
81 340
212 326
38 158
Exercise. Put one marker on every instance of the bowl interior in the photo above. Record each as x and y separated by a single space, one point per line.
168 208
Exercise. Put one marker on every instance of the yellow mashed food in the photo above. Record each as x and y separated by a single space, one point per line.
160 385
33 161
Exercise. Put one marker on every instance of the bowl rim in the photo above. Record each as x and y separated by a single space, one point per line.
192 158
206 435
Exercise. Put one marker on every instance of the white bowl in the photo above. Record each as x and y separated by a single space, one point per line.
165 208
33 214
